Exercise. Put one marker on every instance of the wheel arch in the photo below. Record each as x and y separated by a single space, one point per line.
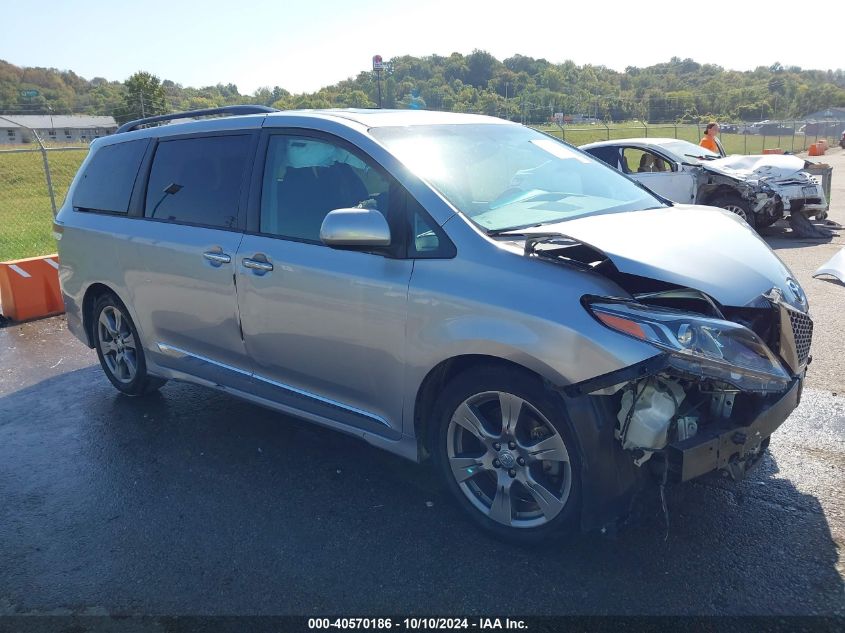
426 397
709 193
609 479
95 290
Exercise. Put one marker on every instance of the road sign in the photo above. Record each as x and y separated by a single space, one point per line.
29 93
378 64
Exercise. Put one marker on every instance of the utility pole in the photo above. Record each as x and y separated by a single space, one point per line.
507 109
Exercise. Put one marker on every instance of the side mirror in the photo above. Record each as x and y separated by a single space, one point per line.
357 228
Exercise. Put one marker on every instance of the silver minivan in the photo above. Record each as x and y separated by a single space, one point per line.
440 285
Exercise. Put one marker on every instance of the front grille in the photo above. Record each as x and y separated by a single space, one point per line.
802 332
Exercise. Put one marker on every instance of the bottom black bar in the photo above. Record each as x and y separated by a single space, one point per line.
293 624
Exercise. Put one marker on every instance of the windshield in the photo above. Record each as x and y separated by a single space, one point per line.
505 177
690 152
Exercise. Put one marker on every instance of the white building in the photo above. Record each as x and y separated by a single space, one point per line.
66 128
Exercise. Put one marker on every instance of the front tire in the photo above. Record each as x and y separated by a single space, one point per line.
503 447
119 348
735 204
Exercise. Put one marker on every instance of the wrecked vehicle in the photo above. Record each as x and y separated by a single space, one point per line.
759 189
439 285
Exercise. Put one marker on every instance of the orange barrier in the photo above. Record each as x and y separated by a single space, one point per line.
823 143
29 288
815 150
776 150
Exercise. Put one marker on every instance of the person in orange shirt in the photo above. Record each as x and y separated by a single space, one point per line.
709 139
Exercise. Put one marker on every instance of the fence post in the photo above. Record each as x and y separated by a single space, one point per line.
745 141
607 127
47 174
676 130
46 163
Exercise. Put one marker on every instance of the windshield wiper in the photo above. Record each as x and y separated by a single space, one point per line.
570 250
532 239
701 156
513 230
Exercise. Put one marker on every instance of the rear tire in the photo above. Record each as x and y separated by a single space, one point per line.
735 204
502 445
119 348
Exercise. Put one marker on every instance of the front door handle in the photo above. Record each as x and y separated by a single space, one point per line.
260 267
217 258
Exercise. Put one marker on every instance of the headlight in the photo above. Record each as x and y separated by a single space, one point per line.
697 344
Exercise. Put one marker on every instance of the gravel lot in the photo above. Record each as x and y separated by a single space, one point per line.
192 502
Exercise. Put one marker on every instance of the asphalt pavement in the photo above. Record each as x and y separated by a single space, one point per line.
193 502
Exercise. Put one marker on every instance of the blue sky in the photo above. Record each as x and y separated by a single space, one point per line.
302 46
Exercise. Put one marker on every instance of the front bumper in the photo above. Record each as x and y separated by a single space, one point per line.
800 197
730 447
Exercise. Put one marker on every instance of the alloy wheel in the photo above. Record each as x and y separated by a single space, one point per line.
508 459
117 344
733 208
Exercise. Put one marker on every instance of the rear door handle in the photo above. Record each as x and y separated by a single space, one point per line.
217 258
259 266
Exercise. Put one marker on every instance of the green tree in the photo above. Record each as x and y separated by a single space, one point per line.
144 97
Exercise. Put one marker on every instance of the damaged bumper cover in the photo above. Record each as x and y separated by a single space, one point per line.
696 412
731 448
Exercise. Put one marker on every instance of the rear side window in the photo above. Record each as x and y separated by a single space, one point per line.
198 180
106 184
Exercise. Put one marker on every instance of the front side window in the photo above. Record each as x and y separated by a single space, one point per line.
505 177
306 178
198 180
642 161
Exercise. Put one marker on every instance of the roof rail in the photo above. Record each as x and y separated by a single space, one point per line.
230 110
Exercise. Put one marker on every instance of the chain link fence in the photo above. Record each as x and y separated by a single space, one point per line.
737 138
31 180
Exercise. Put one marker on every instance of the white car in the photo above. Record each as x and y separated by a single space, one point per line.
760 189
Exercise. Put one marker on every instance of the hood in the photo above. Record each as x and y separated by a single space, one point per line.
769 167
703 248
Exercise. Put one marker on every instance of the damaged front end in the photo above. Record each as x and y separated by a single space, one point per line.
763 200
728 378
774 185
723 377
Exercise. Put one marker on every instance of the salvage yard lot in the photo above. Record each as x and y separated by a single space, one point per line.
194 502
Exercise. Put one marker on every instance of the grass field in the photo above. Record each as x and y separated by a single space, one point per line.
733 143
25 212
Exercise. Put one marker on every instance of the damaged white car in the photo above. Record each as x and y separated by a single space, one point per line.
760 189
